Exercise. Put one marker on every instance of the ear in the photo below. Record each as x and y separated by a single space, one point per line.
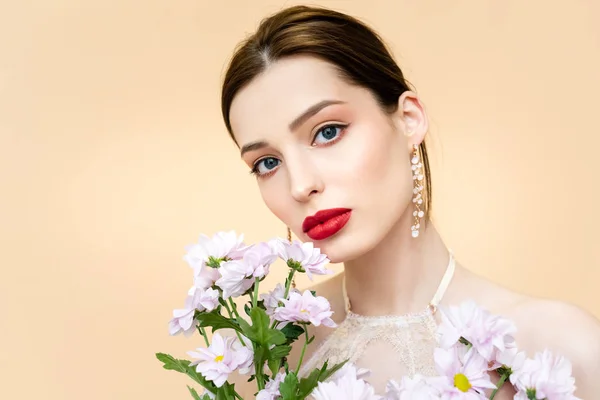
413 118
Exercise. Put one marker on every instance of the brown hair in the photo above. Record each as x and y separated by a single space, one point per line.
358 53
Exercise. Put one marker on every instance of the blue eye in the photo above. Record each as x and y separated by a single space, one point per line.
328 134
265 165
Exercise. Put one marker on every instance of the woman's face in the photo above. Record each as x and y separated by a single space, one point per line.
317 143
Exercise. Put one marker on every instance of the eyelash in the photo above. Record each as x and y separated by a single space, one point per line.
341 127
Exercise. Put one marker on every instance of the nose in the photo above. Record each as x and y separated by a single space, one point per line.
305 180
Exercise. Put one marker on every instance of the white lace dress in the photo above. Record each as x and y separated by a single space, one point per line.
389 346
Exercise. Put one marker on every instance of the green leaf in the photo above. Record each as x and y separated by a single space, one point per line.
184 367
274 366
172 363
215 321
278 352
191 372
260 355
247 309
314 293
292 332
225 392
289 387
194 393
308 384
275 355
260 332
328 372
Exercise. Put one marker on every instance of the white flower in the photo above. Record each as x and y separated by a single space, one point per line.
511 358
206 277
259 257
204 300
352 371
272 298
416 387
464 370
233 280
221 358
548 376
197 299
306 255
237 276
348 387
271 390
183 320
305 308
223 245
489 334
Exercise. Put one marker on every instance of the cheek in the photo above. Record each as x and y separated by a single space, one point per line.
274 195
381 166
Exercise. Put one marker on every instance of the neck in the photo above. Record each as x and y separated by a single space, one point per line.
400 275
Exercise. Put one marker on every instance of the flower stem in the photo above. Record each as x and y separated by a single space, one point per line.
303 351
288 283
255 297
203 332
232 317
499 385
234 308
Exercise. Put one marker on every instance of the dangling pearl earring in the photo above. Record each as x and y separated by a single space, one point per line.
417 172
289 238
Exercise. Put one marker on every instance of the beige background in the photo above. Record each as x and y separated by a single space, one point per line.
113 157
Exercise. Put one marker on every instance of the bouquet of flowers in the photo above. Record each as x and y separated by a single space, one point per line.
472 342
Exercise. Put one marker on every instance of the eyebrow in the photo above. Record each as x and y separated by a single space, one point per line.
312 110
299 120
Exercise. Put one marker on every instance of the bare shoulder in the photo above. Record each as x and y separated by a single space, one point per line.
566 330
563 328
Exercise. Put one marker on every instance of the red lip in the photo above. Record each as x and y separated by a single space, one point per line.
326 223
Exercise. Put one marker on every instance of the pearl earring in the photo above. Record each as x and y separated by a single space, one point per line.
289 238
417 174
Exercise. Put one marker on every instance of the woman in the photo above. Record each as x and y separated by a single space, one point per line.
326 121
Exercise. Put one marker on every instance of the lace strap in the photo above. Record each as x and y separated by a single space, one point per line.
437 297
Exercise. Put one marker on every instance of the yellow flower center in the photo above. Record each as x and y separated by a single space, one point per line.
303 311
461 382
219 358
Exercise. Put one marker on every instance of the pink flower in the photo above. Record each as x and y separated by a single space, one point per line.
206 277
271 299
489 334
197 299
271 390
547 376
416 387
305 308
465 373
347 387
204 300
308 258
234 278
237 276
223 245
259 257
221 358
183 321
511 358
352 371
